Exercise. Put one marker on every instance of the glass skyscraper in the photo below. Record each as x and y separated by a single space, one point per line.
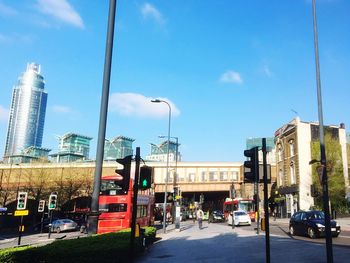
27 113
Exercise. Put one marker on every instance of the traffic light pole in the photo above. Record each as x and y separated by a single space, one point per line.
266 203
20 228
42 222
257 215
50 215
134 202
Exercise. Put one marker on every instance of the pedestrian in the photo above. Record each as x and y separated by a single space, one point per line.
200 215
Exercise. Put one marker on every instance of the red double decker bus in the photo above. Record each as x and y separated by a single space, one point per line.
245 204
115 206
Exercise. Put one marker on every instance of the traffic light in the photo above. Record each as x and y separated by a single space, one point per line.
52 201
251 167
22 200
41 206
146 173
124 172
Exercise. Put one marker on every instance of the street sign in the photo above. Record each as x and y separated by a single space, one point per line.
21 212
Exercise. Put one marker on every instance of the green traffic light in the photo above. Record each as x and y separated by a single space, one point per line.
144 183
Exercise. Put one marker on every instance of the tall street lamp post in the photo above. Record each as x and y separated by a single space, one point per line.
175 176
324 179
167 164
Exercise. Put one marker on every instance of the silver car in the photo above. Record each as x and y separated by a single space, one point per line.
63 225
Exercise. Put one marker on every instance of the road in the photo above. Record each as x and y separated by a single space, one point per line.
282 229
11 240
220 243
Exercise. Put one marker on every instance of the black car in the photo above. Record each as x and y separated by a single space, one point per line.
311 223
216 216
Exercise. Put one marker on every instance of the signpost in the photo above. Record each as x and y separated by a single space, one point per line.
21 212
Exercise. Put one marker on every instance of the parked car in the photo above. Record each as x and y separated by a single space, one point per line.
216 216
239 218
63 225
37 227
311 223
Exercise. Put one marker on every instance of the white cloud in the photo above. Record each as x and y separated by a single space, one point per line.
4 114
7 10
149 11
267 71
62 109
231 76
132 104
61 10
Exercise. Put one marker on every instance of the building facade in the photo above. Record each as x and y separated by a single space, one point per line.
27 112
72 147
294 142
118 147
159 152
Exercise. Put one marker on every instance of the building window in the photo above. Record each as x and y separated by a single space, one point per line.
280 177
234 176
203 177
292 173
223 176
291 147
213 176
279 152
191 177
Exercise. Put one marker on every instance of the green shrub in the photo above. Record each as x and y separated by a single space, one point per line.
150 231
111 247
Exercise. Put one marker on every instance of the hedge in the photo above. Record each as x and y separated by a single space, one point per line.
111 247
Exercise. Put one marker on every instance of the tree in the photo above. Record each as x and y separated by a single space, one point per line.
37 181
336 182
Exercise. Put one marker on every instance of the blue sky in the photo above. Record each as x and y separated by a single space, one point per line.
230 69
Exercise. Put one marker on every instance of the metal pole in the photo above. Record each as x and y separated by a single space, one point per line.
266 204
257 180
92 220
167 165
134 202
176 215
167 171
20 231
322 144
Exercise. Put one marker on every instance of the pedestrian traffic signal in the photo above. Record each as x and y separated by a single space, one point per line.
22 200
41 206
124 172
251 167
52 202
146 174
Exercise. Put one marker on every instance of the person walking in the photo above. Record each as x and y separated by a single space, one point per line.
200 215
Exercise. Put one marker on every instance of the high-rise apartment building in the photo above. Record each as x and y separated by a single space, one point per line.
159 152
27 112
73 147
118 147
